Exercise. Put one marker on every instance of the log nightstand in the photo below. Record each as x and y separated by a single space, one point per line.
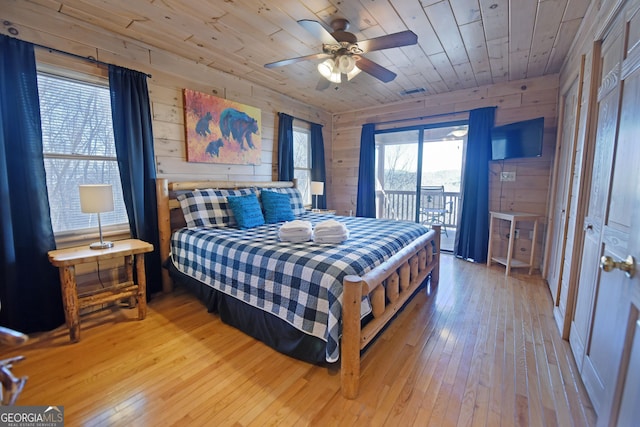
67 259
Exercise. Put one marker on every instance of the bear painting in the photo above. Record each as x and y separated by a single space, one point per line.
202 127
239 125
221 131
213 149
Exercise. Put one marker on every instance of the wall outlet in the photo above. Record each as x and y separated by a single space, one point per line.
508 176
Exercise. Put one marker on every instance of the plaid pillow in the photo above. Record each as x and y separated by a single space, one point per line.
209 208
297 205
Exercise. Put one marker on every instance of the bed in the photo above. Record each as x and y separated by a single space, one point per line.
331 298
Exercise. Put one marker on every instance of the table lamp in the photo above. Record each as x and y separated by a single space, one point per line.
97 198
317 189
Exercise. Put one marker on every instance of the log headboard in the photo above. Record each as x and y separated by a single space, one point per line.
170 215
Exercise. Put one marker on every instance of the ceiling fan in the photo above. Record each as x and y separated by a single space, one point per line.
343 52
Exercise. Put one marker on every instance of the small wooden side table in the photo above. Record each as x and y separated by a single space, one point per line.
508 261
67 259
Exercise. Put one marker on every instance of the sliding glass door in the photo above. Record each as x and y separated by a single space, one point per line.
418 175
397 174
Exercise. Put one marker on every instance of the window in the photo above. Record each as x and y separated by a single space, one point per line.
302 161
79 148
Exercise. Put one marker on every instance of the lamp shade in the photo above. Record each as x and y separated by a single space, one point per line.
317 188
96 198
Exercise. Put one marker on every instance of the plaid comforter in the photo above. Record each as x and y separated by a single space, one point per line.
300 283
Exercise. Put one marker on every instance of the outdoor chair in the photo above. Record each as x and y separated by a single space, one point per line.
433 206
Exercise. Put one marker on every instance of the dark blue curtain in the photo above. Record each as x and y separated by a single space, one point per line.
472 237
131 112
318 172
285 147
366 201
29 285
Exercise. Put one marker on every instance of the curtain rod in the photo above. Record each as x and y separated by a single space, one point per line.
304 120
86 58
421 117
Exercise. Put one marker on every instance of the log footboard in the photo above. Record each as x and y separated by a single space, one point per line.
389 286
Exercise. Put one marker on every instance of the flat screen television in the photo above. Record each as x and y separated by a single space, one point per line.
517 140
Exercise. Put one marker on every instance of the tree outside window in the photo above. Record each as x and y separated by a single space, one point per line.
79 148
302 161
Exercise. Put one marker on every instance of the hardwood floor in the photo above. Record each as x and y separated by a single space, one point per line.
479 350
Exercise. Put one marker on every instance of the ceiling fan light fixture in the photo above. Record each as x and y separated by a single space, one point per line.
325 68
335 77
345 50
345 63
351 74
329 70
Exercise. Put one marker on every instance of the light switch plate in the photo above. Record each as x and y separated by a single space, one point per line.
508 176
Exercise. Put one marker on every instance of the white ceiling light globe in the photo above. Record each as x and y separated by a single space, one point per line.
326 68
345 63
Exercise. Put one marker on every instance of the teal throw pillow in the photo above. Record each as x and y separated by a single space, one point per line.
277 207
247 210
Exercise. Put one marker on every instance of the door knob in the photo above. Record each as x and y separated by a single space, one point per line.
628 265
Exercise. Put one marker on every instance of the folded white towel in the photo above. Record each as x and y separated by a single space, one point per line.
330 231
330 226
295 231
296 225
295 237
332 238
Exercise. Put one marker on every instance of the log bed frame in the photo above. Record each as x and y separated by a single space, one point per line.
389 285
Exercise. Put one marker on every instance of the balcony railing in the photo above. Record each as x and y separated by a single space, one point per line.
402 205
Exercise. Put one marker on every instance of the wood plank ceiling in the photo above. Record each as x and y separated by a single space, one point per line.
461 43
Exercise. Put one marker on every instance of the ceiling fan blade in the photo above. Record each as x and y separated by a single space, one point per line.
403 38
376 70
323 84
318 30
298 59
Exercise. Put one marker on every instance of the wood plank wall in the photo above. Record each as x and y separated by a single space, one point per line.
170 74
516 101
